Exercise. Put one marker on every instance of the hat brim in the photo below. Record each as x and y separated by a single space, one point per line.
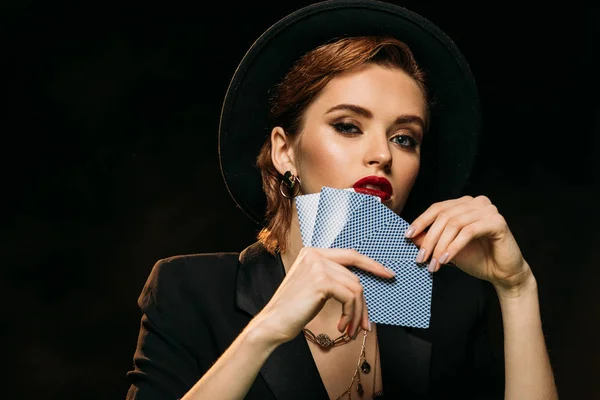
449 147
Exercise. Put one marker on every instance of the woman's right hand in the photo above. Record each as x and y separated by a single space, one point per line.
317 275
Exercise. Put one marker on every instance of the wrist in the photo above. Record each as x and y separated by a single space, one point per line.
259 332
523 286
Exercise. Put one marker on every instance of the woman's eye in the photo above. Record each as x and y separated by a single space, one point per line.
405 141
346 128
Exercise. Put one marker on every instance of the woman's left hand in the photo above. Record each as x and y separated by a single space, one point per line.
470 233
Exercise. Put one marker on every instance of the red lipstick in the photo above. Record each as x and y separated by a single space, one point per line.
375 186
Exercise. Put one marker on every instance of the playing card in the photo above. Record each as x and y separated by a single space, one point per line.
306 207
402 300
351 220
388 242
345 219
335 207
406 299
368 217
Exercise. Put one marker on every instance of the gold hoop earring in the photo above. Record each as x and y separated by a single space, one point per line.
292 183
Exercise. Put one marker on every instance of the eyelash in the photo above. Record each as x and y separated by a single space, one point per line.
350 129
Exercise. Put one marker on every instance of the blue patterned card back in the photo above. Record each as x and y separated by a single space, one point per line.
345 219
335 207
389 243
306 208
370 216
403 300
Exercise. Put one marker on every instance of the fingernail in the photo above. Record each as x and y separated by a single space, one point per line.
444 258
409 232
370 329
390 271
420 255
432 265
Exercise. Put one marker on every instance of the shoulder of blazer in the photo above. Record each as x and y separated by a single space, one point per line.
179 275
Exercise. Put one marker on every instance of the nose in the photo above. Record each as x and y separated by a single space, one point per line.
377 151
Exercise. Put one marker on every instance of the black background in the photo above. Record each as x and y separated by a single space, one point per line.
109 163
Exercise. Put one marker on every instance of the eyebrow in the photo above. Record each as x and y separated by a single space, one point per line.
401 119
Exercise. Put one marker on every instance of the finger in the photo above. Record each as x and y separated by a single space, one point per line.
438 225
479 228
429 215
351 257
348 300
454 225
358 313
365 319
351 281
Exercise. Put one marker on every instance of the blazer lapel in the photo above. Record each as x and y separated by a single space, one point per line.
405 363
290 371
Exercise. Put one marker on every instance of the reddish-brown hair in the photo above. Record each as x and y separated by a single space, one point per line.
293 95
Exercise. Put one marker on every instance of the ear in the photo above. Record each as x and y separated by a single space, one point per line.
282 151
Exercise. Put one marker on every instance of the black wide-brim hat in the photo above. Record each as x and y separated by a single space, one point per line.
448 148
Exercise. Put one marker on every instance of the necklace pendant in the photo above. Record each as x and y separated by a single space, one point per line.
365 367
324 340
360 389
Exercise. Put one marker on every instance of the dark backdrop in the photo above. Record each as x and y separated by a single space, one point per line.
109 163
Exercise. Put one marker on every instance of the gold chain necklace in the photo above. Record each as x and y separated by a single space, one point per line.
361 365
365 367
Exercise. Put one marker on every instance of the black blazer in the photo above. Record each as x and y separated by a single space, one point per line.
194 306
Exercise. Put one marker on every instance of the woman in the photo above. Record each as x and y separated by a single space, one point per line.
358 89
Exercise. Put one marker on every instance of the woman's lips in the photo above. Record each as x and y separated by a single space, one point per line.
375 186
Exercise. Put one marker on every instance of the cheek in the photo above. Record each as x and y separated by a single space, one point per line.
406 172
414 170
403 184
321 163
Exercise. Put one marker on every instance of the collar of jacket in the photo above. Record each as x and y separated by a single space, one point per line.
291 372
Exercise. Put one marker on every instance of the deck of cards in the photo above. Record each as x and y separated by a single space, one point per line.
343 218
